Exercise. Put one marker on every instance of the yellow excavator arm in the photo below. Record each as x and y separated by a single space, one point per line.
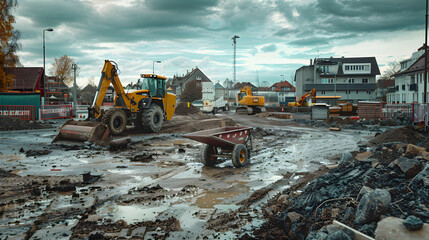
109 76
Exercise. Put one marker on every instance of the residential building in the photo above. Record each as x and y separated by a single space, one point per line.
354 79
219 90
409 82
285 91
179 83
27 79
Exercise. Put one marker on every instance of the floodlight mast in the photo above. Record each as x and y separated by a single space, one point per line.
234 41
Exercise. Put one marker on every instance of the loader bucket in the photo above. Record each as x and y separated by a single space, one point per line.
83 131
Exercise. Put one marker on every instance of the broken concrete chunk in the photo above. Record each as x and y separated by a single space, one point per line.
338 235
139 232
292 216
363 156
345 158
372 205
392 228
426 181
410 167
364 190
420 176
120 142
425 155
317 236
413 223
413 150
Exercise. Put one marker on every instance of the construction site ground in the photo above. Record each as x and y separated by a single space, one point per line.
156 187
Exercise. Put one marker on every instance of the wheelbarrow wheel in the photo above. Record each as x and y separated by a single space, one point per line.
207 155
240 156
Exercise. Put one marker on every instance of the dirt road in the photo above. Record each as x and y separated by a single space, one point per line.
156 187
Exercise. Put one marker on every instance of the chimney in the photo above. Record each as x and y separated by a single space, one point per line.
311 61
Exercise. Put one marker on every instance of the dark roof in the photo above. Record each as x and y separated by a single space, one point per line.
277 87
26 78
218 86
243 84
419 65
385 83
332 61
180 80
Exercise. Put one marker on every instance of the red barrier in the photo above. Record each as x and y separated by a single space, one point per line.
23 112
56 111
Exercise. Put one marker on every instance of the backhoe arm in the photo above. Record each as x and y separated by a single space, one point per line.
109 76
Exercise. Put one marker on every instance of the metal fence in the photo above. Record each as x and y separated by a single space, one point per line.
405 110
23 112
56 111
421 113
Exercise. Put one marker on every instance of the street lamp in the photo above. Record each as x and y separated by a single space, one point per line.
153 66
44 73
74 67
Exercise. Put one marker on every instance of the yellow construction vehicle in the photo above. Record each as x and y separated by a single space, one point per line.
146 104
302 101
249 103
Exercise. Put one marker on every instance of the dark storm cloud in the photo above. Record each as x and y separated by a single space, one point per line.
269 48
181 6
324 19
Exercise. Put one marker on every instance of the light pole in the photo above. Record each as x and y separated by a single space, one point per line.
74 67
284 93
44 73
153 66
234 42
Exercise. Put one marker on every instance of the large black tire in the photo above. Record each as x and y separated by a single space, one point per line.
240 156
152 119
226 108
214 111
116 120
207 158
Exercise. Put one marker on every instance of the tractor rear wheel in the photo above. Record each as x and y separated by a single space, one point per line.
207 155
152 119
116 120
240 156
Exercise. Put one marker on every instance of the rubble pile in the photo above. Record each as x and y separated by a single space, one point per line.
388 180
182 108
9 124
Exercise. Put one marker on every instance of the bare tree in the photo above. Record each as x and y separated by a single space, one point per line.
62 68
192 92
393 67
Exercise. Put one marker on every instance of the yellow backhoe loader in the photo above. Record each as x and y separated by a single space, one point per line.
249 103
145 104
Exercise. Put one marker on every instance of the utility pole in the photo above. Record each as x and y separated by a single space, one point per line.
74 67
426 55
234 41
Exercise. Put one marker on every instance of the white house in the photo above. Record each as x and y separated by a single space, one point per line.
409 82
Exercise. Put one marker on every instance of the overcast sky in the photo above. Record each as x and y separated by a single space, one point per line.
276 36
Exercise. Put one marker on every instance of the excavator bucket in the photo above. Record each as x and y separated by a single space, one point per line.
83 131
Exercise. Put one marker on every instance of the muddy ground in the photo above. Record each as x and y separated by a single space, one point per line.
157 188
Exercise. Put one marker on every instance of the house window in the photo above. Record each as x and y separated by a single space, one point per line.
347 67
364 80
327 80
357 92
351 80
